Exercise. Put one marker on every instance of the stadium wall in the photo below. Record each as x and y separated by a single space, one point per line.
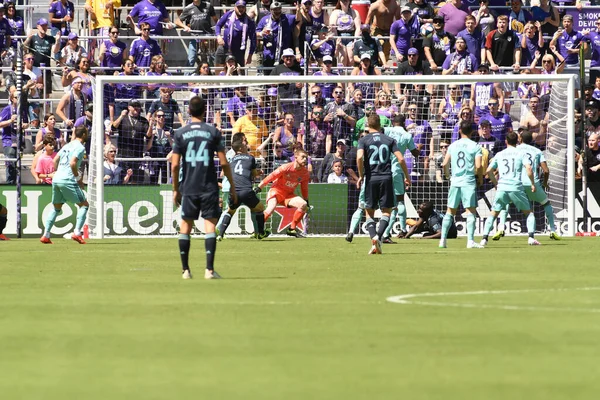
332 207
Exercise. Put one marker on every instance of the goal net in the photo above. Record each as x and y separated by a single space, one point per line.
129 181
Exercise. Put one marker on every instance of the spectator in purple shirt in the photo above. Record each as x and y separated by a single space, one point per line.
16 22
144 48
594 40
61 13
501 122
113 52
8 119
6 32
568 40
402 33
151 11
461 62
236 106
235 30
126 91
474 38
454 13
530 44
276 34
517 14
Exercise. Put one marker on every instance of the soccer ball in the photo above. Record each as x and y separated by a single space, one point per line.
426 29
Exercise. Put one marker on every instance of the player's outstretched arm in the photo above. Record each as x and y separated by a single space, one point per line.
414 229
272 177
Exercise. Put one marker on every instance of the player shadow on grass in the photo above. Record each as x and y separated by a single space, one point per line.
254 277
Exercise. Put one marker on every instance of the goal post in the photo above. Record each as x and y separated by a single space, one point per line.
561 129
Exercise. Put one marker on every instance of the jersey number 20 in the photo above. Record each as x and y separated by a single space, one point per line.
379 155
193 156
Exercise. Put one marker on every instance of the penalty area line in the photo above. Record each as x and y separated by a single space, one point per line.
410 299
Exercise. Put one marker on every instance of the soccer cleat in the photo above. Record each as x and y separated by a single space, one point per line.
254 236
3 237
483 242
533 242
186 274
553 236
373 250
442 244
78 238
265 235
377 244
300 233
401 234
498 235
388 240
211 274
297 233
349 237
471 244
45 240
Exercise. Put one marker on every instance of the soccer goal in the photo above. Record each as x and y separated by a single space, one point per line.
130 193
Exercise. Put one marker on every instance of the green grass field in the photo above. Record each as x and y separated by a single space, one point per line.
299 318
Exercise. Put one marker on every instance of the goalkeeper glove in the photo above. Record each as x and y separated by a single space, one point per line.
257 189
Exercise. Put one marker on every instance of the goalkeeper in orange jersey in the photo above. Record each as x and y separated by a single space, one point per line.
285 180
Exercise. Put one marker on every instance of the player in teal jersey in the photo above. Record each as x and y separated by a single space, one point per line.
510 164
464 155
405 142
536 157
67 184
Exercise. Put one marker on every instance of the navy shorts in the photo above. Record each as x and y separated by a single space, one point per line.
246 197
380 194
205 203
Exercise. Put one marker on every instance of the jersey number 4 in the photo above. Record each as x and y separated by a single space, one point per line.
238 169
193 156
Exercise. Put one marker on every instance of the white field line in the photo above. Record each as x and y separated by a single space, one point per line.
408 299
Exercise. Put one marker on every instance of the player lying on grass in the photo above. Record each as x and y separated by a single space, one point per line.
244 171
374 164
538 161
285 179
430 223
510 164
67 185
195 188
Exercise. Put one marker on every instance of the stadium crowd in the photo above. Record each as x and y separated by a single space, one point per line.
307 37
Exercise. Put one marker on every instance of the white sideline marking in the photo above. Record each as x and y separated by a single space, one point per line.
407 299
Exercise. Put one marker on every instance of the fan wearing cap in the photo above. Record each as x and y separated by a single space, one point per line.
235 32
412 66
61 14
592 118
134 137
152 12
366 68
370 45
43 46
402 32
253 126
72 104
485 139
323 45
454 13
72 52
197 17
276 34
439 45
460 62
290 67
326 70
362 122
381 16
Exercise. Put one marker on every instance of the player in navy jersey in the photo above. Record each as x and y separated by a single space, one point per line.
244 172
3 219
195 185
374 160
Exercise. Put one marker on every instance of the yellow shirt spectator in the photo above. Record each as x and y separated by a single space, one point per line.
102 12
253 127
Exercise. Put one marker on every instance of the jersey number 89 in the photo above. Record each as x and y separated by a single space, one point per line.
193 156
